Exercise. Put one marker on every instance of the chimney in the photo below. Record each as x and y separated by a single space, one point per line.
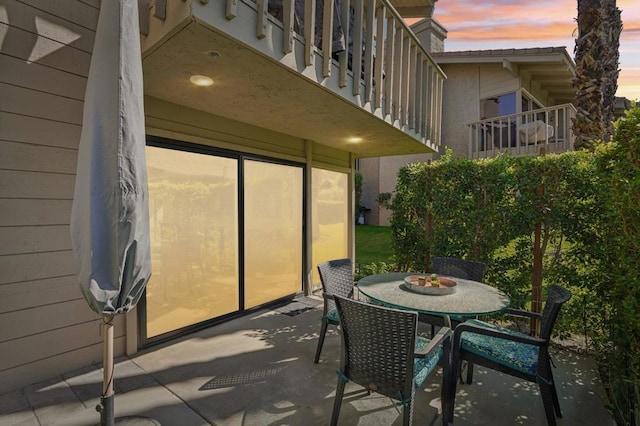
431 34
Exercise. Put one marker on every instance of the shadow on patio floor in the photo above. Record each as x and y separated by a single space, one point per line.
258 370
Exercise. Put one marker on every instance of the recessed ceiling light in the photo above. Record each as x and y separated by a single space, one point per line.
354 139
201 80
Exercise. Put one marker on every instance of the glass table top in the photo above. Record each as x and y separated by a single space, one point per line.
470 298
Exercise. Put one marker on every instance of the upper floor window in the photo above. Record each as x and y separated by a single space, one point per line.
497 106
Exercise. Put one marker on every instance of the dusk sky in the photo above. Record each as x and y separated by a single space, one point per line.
504 24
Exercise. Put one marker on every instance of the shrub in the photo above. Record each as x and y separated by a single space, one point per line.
586 208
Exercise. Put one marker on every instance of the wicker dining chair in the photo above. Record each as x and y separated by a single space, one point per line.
382 352
458 268
336 277
511 352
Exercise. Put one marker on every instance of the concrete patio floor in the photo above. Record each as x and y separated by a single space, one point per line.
258 370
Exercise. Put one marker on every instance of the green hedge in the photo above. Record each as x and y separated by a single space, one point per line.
588 208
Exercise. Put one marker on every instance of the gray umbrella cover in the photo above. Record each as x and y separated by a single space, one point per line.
110 212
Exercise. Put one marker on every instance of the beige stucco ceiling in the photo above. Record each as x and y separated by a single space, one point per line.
252 88
414 8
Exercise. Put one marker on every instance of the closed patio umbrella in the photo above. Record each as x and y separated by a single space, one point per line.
110 214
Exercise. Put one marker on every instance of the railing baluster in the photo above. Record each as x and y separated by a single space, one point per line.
231 9
428 107
434 107
546 129
424 116
472 130
378 75
557 138
397 74
160 10
143 16
327 37
411 86
309 31
261 29
418 112
438 109
368 49
288 19
404 87
345 6
389 69
356 64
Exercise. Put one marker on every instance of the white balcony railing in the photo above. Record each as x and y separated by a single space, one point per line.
381 67
524 133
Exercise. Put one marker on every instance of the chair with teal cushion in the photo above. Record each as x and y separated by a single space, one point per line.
382 352
461 268
336 277
511 352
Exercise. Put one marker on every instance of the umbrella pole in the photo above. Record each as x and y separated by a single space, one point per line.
106 408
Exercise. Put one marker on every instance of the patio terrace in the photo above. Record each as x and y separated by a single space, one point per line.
258 370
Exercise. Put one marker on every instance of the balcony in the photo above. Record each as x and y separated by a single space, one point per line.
272 69
524 133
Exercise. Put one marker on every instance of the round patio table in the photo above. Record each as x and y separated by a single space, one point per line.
471 298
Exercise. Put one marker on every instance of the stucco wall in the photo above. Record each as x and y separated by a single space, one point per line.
370 170
466 84
460 105
380 175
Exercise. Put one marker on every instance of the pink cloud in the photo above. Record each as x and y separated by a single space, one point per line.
513 24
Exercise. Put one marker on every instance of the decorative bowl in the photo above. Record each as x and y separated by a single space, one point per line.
414 283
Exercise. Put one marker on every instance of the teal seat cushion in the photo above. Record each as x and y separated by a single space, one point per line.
519 356
422 367
456 318
332 315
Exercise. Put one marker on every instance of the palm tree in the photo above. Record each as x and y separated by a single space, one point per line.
588 125
610 57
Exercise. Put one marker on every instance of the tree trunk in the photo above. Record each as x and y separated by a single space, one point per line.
588 124
611 56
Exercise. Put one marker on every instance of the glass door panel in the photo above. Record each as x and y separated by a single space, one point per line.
193 209
272 231
330 217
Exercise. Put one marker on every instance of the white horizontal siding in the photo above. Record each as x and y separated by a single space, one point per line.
71 23
46 327
25 323
34 266
26 184
39 104
41 78
22 351
34 239
40 158
38 131
48 53
17 212
34 293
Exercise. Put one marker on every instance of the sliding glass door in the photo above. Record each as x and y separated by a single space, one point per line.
226 235
272 231
330 217
193 209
